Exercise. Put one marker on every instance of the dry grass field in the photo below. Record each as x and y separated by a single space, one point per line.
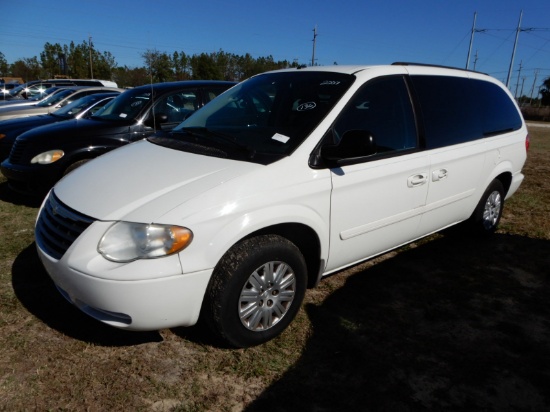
447 323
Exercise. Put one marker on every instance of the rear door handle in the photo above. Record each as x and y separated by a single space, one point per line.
417 180
439 174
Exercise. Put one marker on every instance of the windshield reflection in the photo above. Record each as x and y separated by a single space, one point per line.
271 113
127 106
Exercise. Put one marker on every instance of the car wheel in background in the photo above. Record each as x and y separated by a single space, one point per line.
74 166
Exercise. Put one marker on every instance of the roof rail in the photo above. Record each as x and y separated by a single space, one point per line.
434 65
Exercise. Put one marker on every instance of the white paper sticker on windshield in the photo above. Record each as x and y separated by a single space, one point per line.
122 115
280 138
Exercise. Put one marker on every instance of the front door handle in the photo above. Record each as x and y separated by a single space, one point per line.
417 180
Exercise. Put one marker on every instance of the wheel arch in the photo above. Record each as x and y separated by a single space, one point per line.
503 172
503 176
506 180
305 238
84 154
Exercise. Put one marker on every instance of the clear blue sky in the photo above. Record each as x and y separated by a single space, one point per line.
348 32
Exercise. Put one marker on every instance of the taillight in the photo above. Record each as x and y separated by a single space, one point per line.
527 143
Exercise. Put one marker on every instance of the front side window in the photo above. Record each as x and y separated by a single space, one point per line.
176 107
382 109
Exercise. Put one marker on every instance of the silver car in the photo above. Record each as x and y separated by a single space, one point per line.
55 101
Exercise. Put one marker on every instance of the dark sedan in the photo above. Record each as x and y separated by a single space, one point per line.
81 108
44 154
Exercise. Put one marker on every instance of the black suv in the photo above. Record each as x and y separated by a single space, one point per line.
41 156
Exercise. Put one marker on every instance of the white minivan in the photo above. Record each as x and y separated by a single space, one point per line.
287 177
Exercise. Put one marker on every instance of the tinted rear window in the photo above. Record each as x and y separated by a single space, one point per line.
458 110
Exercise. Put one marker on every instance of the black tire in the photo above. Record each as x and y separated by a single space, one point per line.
74 165
485 219
244 304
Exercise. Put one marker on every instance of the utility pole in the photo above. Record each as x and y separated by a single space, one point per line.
314 41
471 40
517 84
474 30
90 49
514 51
533 88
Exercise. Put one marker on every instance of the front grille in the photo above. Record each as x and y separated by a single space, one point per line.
58 226
17 151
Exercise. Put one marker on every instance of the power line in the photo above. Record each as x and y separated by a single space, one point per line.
518 30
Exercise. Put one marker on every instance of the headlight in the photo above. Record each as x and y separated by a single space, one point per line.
48 157
125 241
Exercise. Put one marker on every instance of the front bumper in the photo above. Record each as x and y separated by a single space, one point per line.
32 179
165 300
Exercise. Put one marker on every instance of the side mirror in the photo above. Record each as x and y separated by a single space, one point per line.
354 144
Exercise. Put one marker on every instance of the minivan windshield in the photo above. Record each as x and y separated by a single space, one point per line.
267 115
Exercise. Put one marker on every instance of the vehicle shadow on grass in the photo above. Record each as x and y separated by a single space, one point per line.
37 293
10 196
453 324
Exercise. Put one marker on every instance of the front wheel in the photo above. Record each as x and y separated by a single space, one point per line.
256 290
74 166
489 209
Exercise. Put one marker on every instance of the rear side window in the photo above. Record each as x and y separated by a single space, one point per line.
457 110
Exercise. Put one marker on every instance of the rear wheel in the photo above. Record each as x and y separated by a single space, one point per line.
255 291
489 209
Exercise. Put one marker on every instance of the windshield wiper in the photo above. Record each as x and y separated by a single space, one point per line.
204 131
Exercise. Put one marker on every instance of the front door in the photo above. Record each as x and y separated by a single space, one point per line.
377 203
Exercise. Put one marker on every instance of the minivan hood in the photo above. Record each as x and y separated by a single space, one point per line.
124 184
